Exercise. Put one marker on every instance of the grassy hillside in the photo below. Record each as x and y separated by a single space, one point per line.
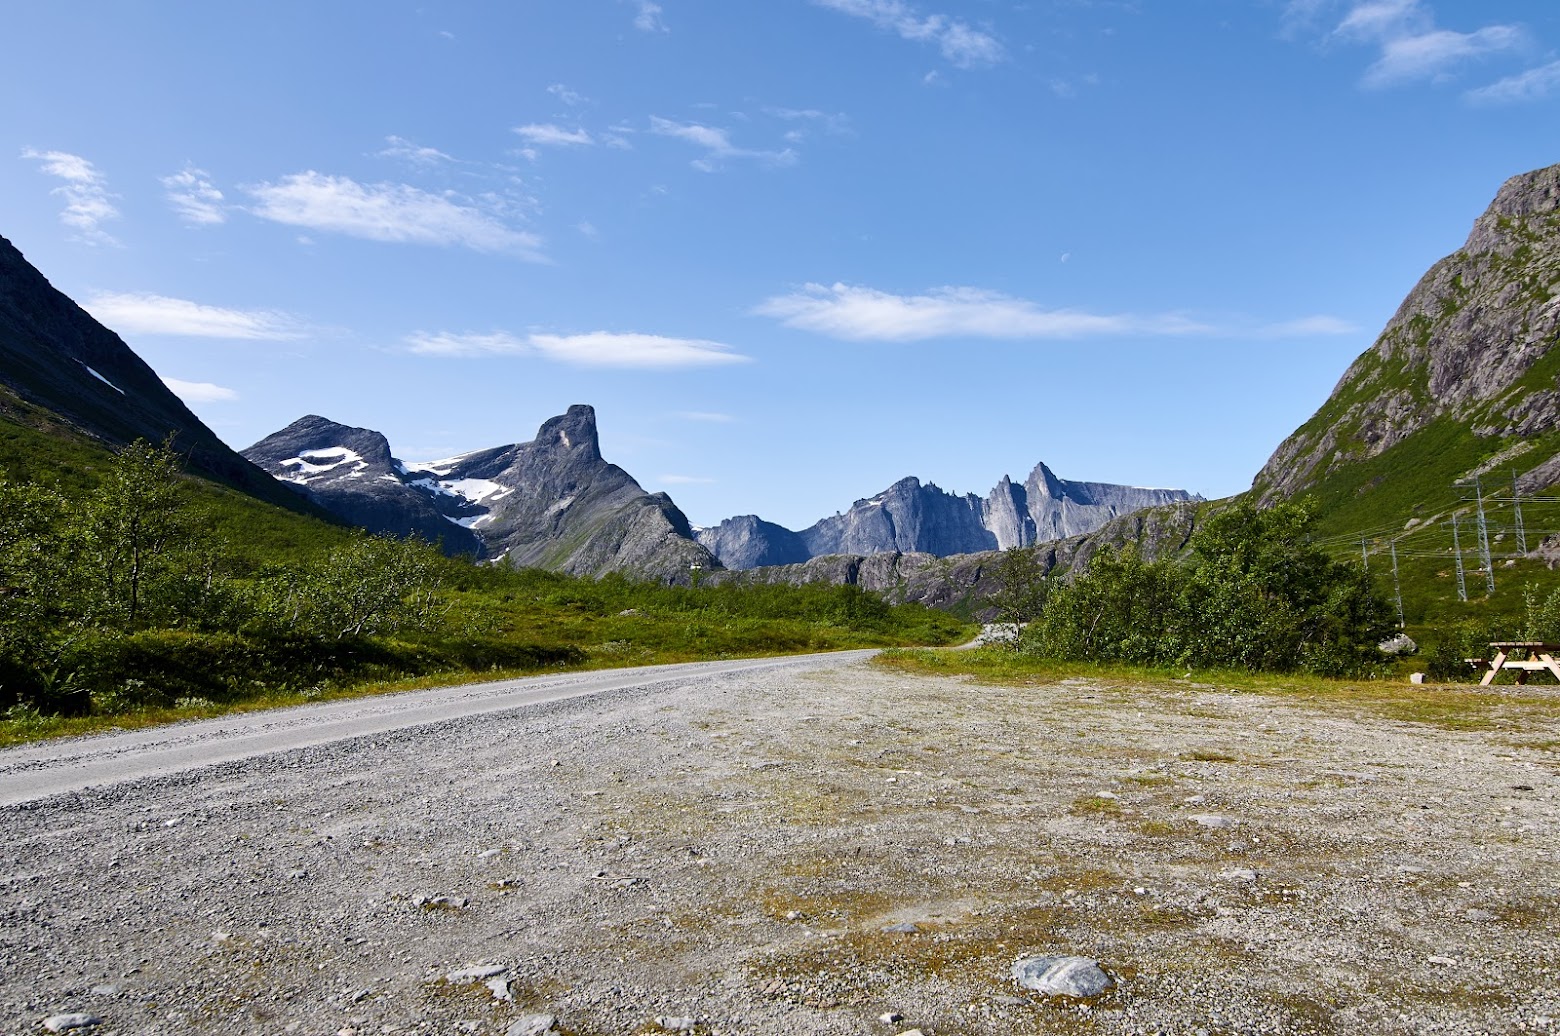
253 625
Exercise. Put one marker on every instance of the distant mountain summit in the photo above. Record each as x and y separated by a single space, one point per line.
553 502
54 355
910 517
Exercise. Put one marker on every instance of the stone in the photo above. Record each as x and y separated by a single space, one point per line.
1417 678
476 973
891 1017
1402 644
1480 916
533 1025
67 1022
676 1023
1239 874
1061 976
902 928
1212 821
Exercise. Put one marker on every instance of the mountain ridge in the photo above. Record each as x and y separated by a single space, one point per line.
912 517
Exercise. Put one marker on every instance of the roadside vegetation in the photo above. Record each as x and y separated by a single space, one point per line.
130 592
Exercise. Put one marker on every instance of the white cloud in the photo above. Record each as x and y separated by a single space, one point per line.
141 313
549 135
867 315
716 144
587 228
199 391
1429 54
685 480
388 212
649 17
400 147
595 349
1316 326
960 44
1410 45
87 199
1533 85
195 198
707 416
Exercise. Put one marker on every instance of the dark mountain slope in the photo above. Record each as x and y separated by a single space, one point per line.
54 355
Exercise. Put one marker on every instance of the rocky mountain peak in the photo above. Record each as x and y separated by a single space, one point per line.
574 430
1520 198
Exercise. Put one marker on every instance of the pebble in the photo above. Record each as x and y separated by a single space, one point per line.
1061 976
439 901
534 1025
1245 874
675 1023
903 928
891 1017
66 1022
1212 820
1475 914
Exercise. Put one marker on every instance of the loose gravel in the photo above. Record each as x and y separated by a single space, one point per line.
842 850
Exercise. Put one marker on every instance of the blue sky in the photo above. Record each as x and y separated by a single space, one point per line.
791 250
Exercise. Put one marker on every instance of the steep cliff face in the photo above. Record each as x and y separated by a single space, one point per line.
54 355
553 502
1468 356
911 517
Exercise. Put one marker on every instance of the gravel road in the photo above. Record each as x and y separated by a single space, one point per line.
805 846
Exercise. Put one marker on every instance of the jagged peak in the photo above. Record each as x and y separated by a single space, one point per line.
575 429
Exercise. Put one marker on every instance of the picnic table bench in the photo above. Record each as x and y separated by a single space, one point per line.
1540 657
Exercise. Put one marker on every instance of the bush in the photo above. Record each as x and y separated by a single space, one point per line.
1253 594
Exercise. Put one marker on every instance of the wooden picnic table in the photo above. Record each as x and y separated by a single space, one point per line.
1540 658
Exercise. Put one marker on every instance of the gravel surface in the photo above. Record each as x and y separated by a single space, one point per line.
827 847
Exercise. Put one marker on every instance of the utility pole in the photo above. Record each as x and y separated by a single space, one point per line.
1516 508
1484 542
1397 588
1462 585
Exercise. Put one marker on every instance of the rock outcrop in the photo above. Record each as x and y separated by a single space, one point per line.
1471 344
911 517
552 503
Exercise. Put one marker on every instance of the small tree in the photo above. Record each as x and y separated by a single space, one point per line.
372 585
136 530
1021 589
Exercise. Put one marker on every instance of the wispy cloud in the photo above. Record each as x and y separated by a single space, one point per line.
570 97
707 416
716 143
88 203
1410 46
389 212
648 17
195 198
684 480
406 150
549 135
595 349
864 314
199 391
961 44
142 313
1533 85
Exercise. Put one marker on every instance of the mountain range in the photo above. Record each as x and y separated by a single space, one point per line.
1462 384
912 517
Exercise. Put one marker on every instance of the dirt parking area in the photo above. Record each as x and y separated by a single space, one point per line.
813 852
